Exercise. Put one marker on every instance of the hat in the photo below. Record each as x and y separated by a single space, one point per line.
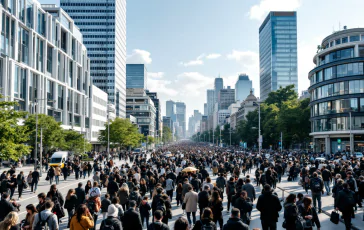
112 211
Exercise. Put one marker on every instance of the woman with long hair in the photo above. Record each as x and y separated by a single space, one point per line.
10 222
309 213
181 224
290 212
206 219
151 185
143 187
82 219
29 218
179 190
57 198
216 206
70 204
123 195
88 186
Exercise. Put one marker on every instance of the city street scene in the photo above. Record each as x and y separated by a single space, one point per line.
181 115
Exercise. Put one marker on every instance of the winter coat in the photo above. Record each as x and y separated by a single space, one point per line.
191 200
269 207
85 223
290 215
235 224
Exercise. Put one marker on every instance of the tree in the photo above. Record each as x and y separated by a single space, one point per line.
281 95
150 140
12 135
75 142
167 136
52 131
123 134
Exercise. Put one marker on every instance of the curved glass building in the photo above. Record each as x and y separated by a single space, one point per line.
337 93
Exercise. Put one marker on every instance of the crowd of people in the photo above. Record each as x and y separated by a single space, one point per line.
139 193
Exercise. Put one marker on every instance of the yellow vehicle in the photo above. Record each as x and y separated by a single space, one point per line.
59 159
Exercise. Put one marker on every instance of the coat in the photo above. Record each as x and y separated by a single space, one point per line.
250 190
200 223
57 171
290 215
269 206
123 197
235 224
85 223
131 220
115 222
191 200
81 195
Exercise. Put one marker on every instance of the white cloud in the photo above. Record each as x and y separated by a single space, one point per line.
162 86
213 56
260 10
139 57
246 57
157 75
197 61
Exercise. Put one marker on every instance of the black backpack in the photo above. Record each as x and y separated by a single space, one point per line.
231 188
133 196
162 207
42 224
91 205
207 226
316 185
107 225
220 182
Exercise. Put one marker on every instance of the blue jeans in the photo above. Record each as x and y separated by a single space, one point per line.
34 186
146 218
327 186
279 177
189 217
57 179
316 196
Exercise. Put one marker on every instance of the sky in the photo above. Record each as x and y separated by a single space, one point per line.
186 44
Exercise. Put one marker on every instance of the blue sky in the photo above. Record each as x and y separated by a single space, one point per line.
186 44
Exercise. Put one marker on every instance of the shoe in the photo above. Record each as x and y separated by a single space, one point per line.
319 211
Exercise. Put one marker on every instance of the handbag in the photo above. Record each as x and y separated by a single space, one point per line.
183 206
334 217
300 223
25 185
284 224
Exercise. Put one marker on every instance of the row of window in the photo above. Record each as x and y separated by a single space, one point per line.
336 55
99 112
344 70
96 23
98 36
100 49
90 11
99 101
87 4
338 124
97 30
101 55
351 38
98 42
338 106
338 88
98 122
101 68
93 17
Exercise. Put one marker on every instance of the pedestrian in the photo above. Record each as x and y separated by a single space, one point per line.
234 222
10 222
112 221
6 206
82 220
65 171
123 195
221 184
58 201
145 211
290 212
168 208
71 204
179 194
105 203
327 178
88 186
269 206
170 187
230 191
57 174
143 187
13 185
250 190
41 205
309 214
206 221
46 215
131 219
245 205
50 175
29 218
35 180
81 194
156 199
203 199
112 187
216 206
20 180
345 202
191 201
93 202
181 224
317 189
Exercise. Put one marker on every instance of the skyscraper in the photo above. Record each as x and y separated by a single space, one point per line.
181 117
101 21
136 76
171 110
210 101
226 97
218 85
278 52
205 109
158 112
242 87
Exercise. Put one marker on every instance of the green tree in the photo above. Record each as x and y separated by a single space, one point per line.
281 95
150 140
12 135
75 142
52 137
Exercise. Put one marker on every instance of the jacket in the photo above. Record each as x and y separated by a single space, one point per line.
6 208
200 223
131 220
52 221
144 208
203 199
216 208
72 203
269 206
81 195
235 224
85 223
115 222
290 215
169 184
191 199
123 197
250 190
185 188
342 200
57 171
105 205
311 212
158 226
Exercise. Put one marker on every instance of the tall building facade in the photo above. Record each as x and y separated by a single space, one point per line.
226 97
242 87
136 76
181 118
167 122
158 116
103 25
218 85
210 101
337 93
205 109
171 109
44 64
278 52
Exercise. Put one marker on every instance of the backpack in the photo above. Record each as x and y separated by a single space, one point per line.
161 207
19 180
207 226
215 164
107 225
231 188
220 182
351 184
316 185
350 199
42 224
133 196
91 205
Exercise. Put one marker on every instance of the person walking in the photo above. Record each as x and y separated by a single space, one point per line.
6 206
221 184
35 180
269 207
112 219
216 206
82 220
10 222
48 216
29 218
230 191
309 214
71 204
81 194
327 178
50 175
345 202
57 174
206 221
56 197
317 189
234 222
249 188
158 224
131 219
20 180
191 201
145 209
245 205
170 187
203 199
290 212
123 195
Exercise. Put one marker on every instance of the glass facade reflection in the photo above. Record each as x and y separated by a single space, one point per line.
278 52
136 76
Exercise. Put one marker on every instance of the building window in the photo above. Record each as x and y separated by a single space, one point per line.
49 59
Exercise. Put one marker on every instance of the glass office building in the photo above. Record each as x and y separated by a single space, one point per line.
243 86
44 64
101 21
337 93
278 52
136 76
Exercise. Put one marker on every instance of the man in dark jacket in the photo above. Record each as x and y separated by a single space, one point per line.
326 177
203 198
269 207
317 189
81 194
234 222
221 183
131 219
6 206
196 183
35 180
112 220
158 224
345 202
156 199
112 187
